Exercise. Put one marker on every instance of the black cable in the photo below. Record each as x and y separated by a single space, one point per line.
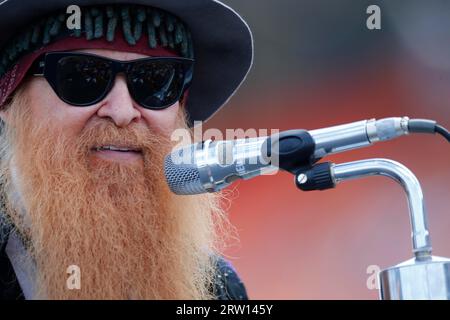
422 126
442 131
427 126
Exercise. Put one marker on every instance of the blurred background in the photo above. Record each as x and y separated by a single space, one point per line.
317 65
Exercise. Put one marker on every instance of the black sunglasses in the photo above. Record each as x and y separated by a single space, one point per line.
82 79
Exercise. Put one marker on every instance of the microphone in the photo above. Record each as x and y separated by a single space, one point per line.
210 166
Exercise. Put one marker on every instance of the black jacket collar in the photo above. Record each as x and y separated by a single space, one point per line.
9 285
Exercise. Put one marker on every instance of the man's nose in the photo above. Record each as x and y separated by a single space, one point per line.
118 105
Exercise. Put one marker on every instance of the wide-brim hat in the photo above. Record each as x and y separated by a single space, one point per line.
223 43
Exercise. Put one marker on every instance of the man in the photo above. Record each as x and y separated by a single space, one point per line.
87 114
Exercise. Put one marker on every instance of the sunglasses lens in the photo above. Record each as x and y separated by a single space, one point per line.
82 80
157 84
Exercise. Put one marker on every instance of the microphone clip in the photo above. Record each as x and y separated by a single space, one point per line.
290 150
317 177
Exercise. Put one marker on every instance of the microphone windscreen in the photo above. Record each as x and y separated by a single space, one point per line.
182 175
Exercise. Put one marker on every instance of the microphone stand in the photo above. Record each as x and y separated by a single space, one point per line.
422 277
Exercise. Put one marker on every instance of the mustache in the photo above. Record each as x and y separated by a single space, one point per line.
136 137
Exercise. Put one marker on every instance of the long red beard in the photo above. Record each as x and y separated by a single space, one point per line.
119 223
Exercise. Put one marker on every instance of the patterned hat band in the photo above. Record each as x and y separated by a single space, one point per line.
132 21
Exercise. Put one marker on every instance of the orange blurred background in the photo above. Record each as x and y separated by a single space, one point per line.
317 65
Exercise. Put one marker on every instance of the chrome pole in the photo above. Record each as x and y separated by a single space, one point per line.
424 276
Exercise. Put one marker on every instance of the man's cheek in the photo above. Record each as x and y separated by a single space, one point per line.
163 121
65 119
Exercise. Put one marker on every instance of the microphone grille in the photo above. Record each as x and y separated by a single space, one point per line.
183 179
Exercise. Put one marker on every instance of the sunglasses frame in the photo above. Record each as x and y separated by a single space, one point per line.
47 65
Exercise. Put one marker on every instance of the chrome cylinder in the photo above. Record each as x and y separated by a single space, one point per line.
355 135
417 279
